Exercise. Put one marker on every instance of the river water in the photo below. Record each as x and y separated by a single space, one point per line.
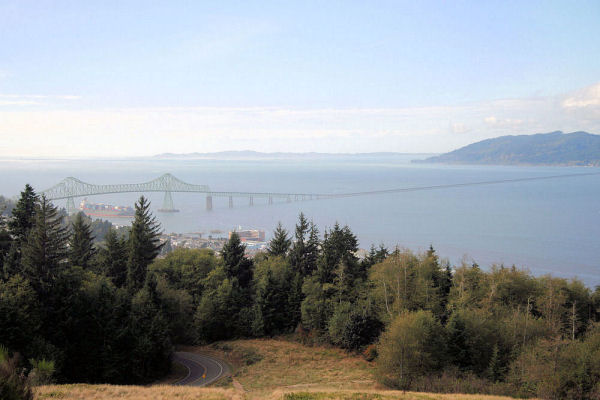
546 226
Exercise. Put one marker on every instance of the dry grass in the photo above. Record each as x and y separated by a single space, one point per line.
377 395
106 392
283 364
275 369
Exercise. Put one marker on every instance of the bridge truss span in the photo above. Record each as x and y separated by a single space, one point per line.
70 188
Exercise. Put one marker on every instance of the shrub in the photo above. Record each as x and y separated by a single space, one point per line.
413 345
13 384
41 372
370 353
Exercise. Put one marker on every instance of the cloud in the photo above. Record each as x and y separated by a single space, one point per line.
503 123
459 127
19 103
65 130
20 100
586 97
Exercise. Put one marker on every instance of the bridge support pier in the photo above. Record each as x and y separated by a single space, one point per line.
71 206
270 200
230 201
251 200
209 205
288 199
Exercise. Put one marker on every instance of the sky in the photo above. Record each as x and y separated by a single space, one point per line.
135 78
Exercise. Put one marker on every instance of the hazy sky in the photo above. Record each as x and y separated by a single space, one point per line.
83 78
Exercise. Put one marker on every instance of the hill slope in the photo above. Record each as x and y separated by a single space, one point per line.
555 148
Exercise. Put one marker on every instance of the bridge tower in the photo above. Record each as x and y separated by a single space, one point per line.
167 205
71 206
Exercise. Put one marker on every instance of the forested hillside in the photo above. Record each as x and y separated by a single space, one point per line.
556 148
74 310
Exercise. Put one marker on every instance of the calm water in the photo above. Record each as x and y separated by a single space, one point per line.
548 226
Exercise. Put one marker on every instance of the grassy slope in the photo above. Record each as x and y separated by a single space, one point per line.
264 369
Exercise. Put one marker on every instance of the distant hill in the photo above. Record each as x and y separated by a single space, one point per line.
555 148
247 154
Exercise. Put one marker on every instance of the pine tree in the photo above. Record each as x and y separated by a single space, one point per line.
112 258
144 244
236 264
298 249
313 247
280 244
81 243
305 251
45 252
23 215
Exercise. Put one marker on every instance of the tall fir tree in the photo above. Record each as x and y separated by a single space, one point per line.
281 242
144 244
236 263
304 252
18 228
45 253
81 243
112 258
23 215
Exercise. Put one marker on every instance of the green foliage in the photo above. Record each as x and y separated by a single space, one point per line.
305 250
186 269
213 317
113 316
112 258
411 346
352 327
20 318
150 356
273 282
281 242
143 246
13 383
407 282
81 243
23 214
41 372
235 262
45 252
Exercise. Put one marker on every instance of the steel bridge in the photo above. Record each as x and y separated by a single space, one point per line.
71 188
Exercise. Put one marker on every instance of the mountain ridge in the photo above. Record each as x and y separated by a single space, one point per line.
554 148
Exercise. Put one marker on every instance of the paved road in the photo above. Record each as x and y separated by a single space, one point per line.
202 370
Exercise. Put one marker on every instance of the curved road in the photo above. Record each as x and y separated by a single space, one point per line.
202 370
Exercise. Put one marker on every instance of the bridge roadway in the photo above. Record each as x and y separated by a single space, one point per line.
70 188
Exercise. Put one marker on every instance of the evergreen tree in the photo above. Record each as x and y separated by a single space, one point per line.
81 243
144 244
5 238
236 264
298 248
339 248
18 225
312 250
112 258
23 215
45 252
305 249
280 244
